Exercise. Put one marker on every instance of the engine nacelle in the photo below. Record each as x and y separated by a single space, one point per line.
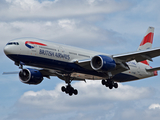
30 76
102 63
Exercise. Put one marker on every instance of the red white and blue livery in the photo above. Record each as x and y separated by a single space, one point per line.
71 63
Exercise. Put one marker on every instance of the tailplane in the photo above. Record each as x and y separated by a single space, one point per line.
147 42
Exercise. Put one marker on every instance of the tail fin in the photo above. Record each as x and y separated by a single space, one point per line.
147 42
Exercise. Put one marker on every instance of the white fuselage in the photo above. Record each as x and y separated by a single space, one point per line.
64 55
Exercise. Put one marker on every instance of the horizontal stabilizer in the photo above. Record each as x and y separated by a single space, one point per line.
153 69
6 73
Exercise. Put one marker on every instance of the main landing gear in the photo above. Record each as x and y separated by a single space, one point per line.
68 89
109 83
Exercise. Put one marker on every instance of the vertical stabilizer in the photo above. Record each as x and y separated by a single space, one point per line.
147 42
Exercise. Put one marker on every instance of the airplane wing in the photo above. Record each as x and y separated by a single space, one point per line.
84 63
121 59
138 55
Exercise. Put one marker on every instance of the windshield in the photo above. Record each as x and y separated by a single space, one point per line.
13 43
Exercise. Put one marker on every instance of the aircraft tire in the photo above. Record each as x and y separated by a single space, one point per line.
70 93
110 86
107 85
69 90
75 92
66 91
115 85
63 89
103 82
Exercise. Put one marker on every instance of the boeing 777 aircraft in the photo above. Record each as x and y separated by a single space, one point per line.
71 63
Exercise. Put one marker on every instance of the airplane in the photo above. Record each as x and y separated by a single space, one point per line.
75 64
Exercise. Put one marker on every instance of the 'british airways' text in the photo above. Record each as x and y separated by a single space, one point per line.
54 54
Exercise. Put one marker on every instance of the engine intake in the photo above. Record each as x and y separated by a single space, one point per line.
102 63
30 76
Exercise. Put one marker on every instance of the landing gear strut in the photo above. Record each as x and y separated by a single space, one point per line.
20 64
68 89
109 83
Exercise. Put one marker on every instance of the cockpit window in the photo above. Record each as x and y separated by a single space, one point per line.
13 43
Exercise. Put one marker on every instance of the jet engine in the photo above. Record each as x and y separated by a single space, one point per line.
102 63
30 76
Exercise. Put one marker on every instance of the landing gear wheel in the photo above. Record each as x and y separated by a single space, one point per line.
70 93
103 82
115 85
110 86
63 89
69 90
75 92
66 91
107 85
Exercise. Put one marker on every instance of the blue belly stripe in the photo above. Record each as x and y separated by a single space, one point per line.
65 67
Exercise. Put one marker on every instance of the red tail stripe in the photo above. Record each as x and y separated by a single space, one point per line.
147 39
145 62
37 43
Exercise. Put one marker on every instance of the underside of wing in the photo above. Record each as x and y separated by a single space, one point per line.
48 72
84 64
60 74
120 67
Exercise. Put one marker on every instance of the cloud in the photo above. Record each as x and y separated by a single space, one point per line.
58 22
136 19
67 31
132 113
123 93
154 106
18 9
66 24
92 96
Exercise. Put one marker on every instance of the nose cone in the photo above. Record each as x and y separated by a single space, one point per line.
7 50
